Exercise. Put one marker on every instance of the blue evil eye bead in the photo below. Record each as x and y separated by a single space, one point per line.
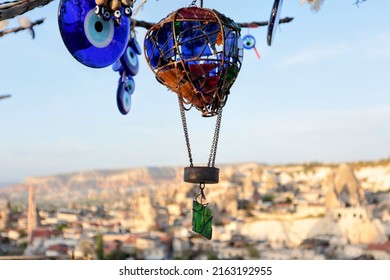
134 44
117 66
249 42
130 61
274 21
129 84
123 98
91 40
128 11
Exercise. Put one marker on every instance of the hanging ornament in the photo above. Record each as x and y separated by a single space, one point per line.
202 216
125 89
274 21
197 53
249 42
127 66
93 40
129 60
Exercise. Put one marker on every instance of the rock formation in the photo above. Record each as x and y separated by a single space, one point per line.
344 189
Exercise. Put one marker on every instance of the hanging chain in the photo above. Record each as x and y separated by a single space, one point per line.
202 186
185 129
214 145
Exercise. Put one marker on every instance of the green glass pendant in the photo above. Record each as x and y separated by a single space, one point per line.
202 219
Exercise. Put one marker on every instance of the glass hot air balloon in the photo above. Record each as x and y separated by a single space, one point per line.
197 53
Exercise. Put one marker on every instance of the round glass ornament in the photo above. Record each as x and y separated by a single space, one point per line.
91 40
126 87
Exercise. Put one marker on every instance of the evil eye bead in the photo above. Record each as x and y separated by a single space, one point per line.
117 14
129 84
117 66
98 10
91 40
134 44
123 98
98 32
128 12
249 42
106 15
130 61
274 21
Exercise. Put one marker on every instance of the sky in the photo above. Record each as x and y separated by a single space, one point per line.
321 92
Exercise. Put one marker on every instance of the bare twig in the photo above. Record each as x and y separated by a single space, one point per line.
141 23
357 2
253 24
20 28
10 10
15 8
139 7
5 96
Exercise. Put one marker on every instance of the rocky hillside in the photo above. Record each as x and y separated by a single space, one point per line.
251 179
75 186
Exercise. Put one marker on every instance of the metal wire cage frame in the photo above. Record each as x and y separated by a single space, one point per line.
197 53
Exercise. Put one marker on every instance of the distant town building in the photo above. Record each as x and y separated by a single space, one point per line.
5 210
32 217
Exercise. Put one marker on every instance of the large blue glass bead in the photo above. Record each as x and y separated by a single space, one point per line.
91 40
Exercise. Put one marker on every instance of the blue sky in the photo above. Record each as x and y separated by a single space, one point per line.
320 93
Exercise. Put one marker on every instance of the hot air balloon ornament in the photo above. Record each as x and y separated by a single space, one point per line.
197 53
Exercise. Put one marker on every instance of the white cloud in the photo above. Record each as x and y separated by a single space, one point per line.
314 54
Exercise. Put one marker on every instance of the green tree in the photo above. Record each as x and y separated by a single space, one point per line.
99 247
268 198
118 253
60 227
253 253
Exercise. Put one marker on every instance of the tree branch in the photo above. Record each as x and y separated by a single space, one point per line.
253 24
5 96
15 8
141 23
20 28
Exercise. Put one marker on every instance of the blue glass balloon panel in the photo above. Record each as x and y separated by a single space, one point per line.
152 52
231 49
212 30
165 41
193 41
